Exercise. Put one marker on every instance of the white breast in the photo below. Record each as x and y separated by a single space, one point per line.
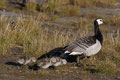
94 49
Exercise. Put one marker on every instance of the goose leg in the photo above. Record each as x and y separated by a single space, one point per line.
79 63
88 60
90 64
78 59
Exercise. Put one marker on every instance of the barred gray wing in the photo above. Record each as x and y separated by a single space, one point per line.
81 44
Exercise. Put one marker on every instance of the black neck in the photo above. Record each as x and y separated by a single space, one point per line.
98 34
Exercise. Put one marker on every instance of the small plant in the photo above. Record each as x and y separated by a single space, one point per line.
53 6
37 7
69 11
31 6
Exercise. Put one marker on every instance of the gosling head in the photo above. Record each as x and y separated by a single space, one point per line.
33 59
64 61
53 60
21 61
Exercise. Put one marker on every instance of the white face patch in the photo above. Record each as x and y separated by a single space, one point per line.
100 21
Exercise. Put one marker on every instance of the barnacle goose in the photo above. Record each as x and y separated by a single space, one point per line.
24 60
87 46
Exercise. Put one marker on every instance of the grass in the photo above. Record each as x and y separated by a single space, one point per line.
31 6
46 7
31 38
114 21
37 39
94 3
69 11
54 6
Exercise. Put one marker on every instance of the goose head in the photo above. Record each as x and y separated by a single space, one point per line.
98 22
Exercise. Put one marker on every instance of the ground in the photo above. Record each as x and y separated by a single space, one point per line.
10 71
72 25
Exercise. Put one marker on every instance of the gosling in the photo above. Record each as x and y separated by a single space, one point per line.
47 62
44 63
24 60
56 61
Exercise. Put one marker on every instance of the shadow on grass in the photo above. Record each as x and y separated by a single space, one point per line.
92 70
33 67
58 52
13 64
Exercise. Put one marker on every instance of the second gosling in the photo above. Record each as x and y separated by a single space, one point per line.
24 60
